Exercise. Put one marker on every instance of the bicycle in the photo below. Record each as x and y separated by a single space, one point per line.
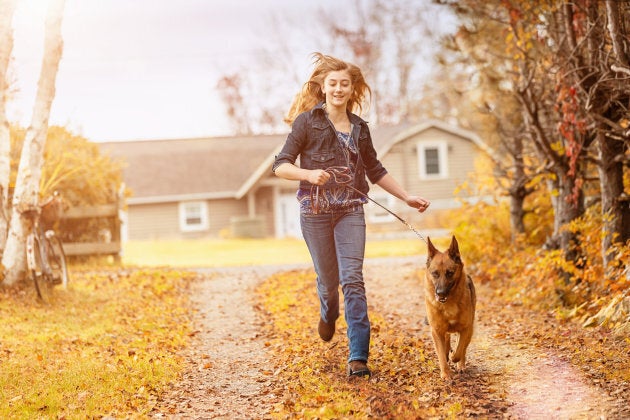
45 258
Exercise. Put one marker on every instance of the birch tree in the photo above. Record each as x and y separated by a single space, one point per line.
7 7
30 167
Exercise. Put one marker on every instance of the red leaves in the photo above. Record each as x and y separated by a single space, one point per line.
572 129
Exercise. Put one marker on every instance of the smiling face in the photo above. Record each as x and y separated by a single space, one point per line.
337 89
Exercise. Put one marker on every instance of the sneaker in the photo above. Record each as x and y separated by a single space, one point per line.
326 330
359 368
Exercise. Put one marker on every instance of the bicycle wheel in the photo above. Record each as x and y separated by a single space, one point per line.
57 260
36 268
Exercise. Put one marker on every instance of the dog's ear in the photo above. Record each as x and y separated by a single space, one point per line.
432 250
453 251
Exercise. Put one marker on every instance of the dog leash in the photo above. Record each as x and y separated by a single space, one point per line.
342 176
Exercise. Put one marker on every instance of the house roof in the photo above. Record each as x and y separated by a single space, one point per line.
224 167
409 130
200 168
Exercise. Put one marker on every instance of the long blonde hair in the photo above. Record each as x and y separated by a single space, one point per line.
312 94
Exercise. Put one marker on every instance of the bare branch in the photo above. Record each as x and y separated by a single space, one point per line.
620 69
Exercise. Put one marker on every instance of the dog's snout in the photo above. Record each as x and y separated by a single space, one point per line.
441 294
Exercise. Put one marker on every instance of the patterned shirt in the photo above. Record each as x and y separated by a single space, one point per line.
336 197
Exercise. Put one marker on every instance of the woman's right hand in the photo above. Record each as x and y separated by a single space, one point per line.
318 176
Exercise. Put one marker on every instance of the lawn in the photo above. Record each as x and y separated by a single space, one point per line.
106 347
239 252
109 346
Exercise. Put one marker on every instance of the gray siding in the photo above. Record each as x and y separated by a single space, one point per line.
402 163
265 208
153 221
222 212
161 220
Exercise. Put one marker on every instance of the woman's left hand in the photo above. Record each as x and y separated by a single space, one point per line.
418 203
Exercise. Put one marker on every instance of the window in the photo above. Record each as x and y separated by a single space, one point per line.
432 160
193 216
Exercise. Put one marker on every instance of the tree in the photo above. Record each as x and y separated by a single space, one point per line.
230 89
552 113
610 96
593 98
74 167
29 171
485 101
7 7
569 70
389 40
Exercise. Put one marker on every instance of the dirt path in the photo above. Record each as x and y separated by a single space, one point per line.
227 368
227 374
537 384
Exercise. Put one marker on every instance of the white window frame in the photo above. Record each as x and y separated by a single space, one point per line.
375 213
184 208
442 148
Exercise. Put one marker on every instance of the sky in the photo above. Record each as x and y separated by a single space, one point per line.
145 69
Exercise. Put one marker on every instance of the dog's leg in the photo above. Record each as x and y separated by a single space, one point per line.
447 343
440 348
460 354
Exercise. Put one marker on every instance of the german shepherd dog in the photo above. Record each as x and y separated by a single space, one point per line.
450 301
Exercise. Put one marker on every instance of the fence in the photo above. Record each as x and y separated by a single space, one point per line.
105 242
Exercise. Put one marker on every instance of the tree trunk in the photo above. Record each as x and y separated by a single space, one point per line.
616 32
615 203
569 208
611 185
518 189
30 167
6 46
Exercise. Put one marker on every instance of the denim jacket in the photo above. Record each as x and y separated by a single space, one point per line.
313 138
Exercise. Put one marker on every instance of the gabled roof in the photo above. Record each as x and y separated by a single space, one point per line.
159 171
185 169
412 130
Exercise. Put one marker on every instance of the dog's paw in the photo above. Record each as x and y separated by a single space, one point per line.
446 374
461 366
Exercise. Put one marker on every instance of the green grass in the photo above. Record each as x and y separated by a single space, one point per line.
242 252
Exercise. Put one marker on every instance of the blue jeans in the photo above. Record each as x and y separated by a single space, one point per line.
336 242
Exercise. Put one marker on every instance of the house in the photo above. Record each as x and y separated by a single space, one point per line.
211 187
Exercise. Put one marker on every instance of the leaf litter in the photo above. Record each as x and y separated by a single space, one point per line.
256 355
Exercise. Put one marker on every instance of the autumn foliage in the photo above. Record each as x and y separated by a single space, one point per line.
310 379
107 347
73 166
540 278
76 169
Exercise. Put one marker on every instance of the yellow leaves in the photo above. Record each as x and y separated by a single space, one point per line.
74 166
94 350
310 375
